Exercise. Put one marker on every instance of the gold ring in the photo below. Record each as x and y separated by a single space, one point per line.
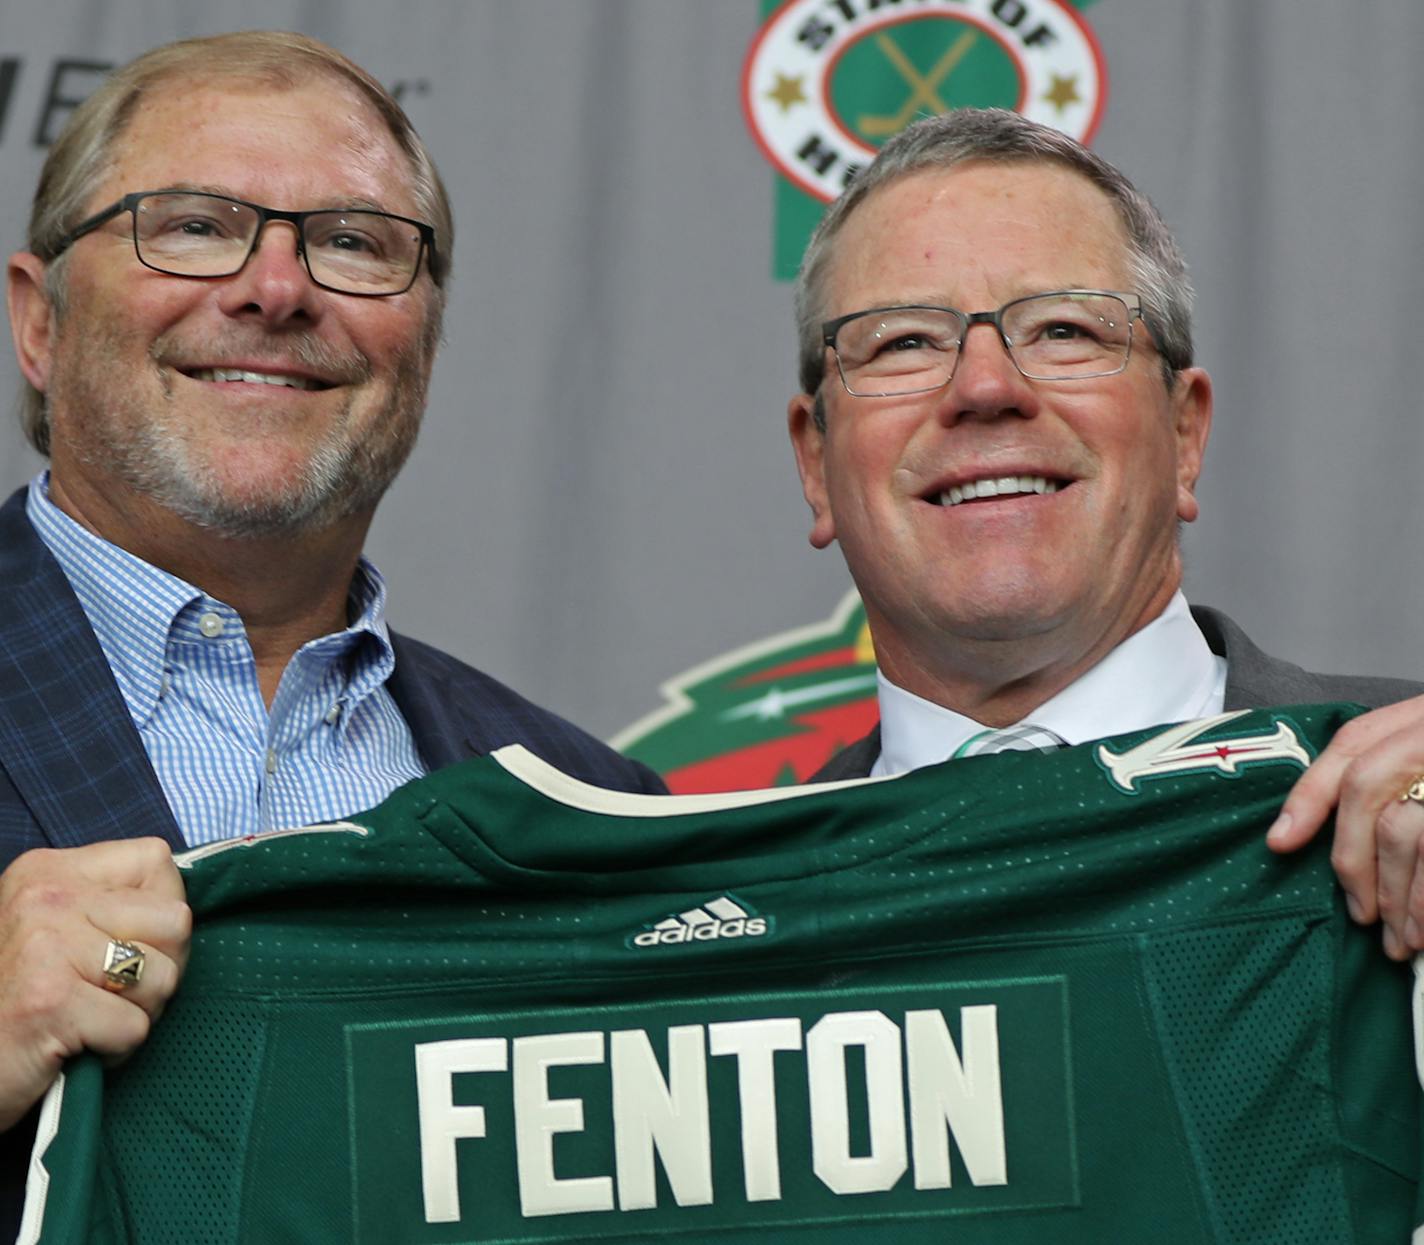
1414 792
123 965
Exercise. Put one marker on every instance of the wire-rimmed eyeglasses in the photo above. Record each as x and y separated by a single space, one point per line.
1059 335
190 233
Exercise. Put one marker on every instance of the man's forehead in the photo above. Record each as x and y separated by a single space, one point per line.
987 218
213 134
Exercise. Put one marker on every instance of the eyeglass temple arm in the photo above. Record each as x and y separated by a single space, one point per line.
88 226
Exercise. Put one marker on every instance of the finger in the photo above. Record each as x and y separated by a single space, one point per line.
112 1025
140 917
1414 917
1317 792
121 864
157 982
1399 830
1369 832
1392 946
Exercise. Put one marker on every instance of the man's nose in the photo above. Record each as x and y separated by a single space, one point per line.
274 284
986 382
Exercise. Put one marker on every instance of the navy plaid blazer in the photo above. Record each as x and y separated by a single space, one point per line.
73 769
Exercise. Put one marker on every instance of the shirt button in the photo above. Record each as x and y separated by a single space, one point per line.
270 764
211 625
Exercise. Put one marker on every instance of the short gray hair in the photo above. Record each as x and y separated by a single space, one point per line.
1159 271
85 150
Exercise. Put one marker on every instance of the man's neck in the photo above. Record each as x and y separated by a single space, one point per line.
1000 681
288 589
1164 672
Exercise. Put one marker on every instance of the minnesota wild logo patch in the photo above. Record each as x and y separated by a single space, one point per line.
826 82
1202 747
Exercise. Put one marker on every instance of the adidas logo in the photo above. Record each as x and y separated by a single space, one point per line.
717 918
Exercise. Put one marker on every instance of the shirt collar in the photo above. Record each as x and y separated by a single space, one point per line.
1163 673
135 608
130 604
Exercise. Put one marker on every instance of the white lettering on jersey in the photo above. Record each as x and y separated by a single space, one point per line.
952 1093
442 1123
831 1159
538 1118
667 1116
963 1092
755 1043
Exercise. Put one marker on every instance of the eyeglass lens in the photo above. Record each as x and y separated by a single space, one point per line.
201 235
913 349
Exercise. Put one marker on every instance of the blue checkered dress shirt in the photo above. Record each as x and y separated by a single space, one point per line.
334 741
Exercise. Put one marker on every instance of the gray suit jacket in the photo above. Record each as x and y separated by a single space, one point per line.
1253 680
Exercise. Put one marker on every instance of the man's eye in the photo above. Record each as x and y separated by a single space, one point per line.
909 341
1062 331
195 227
354 242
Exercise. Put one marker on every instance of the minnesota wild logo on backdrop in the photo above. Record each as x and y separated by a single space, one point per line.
765 715
824 84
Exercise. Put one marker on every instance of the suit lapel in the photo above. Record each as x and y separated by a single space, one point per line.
67 742
441 736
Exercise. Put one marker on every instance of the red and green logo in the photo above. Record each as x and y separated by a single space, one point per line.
766 715
826 82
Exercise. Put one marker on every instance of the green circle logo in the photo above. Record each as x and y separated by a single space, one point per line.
825 84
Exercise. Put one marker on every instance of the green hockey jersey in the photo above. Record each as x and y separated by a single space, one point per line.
1020 998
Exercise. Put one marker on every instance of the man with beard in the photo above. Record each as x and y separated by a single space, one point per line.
227 316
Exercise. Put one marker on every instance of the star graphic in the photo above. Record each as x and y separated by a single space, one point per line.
771 706
787 91
1063 92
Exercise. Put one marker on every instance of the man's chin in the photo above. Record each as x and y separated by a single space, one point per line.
293 497
254 517
313 501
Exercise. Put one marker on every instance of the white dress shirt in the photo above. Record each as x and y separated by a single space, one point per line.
1162 673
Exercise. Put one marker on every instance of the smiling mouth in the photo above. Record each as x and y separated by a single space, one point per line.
230 374
995 486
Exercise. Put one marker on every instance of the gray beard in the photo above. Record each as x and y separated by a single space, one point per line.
341 478
346 474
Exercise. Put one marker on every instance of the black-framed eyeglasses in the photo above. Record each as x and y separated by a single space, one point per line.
190 233
1059 335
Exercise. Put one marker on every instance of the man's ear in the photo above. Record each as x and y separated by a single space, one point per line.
1191 417
31 317
809 442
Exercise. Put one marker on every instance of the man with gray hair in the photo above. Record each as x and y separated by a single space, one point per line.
227 315
1001 424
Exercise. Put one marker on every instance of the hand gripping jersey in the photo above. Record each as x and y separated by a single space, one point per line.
1021 998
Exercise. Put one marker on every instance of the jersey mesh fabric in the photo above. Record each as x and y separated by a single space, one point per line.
187 1140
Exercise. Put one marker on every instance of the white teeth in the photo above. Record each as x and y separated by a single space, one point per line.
1001 486
253 378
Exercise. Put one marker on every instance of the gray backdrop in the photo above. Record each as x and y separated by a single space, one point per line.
603 494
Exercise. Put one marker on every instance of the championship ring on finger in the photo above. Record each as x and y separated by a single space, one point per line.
123 965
